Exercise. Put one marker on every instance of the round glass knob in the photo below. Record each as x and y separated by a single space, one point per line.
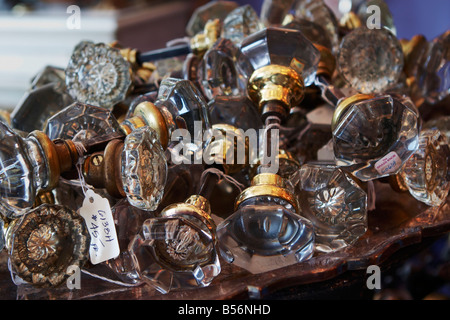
370 60
45 242
374 136
98 74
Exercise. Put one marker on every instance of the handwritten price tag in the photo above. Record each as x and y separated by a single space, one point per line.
96 212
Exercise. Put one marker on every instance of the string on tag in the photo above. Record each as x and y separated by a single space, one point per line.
120 283
221 176
83 184
371 196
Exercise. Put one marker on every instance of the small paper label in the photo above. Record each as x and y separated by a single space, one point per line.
388 164
97 214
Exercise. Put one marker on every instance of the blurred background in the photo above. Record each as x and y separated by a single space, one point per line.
34 33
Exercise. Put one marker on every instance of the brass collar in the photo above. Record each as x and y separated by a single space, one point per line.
343 106
268 184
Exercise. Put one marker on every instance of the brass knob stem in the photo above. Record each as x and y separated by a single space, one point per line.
276 83
103 169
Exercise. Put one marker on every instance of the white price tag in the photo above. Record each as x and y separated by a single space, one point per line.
388 164
97 214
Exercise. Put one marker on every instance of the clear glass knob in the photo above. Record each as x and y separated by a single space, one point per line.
433 69
279 46
46 96
128 222
80 122
426 174
238 111
217 71
37 105
265 232
209 11
144 169
25 169
240 23
373 137
98 74
370 60
45 243
177 250
334 203
318 12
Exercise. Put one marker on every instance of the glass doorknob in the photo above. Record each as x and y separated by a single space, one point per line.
29 165
135 168
177 249
45 242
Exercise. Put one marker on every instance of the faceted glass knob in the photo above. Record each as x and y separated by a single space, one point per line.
334 203
373 137
210 11
274 11
238 111
279 46
426 174
24 170
177 249
98 74
144 169
433 69
37 105
370 60
80 122
311 30
265 232
217 71
184 103
240 23
317 11
128 222
46 242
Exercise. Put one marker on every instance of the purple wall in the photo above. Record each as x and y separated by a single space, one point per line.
430 18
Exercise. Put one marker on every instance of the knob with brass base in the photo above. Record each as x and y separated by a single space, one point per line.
373 136
135 168
29 165
44 243
281 63
177 249
265 232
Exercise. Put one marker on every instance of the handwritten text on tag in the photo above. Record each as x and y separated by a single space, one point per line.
96 212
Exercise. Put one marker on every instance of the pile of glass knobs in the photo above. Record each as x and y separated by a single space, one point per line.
163 165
